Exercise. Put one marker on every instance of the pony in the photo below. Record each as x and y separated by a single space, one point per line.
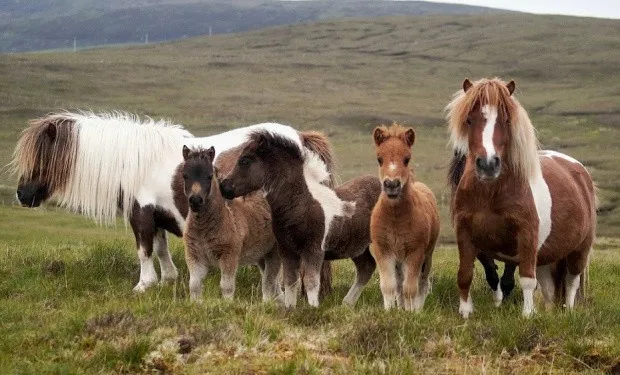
515 203
503 287
404 225
98 164
311 221
224 234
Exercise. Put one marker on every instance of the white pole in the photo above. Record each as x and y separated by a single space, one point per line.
209 30
74 44
146 38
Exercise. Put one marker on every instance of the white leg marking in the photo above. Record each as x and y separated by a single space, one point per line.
572 284
290 294
547 286
542 201
197 272
227 285
498 296
160 247
148 276
466 307
388 281
528 284
490 114
354 294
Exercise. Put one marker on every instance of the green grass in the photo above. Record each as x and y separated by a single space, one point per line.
65 284
66 306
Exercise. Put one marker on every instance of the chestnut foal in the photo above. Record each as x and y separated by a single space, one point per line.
225 234
311 221
405 223
515 203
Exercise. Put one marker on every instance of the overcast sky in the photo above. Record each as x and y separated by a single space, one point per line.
587 8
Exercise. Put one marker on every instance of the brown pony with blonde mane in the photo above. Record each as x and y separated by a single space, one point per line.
404 225
514 203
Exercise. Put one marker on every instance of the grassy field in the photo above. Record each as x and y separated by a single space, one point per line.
66 304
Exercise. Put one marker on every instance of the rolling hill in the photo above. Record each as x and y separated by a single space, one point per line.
30 25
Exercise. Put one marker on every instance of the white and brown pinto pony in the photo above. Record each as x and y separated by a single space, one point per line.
515 203
98 164
404 225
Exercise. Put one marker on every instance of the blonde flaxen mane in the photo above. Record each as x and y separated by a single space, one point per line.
522 148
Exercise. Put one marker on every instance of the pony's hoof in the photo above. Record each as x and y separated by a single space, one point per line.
465 309
169 278
527 313
142 286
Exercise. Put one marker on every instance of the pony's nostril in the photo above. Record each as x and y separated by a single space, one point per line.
495 162
479 163
195 200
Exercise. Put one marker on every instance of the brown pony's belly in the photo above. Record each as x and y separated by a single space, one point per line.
491 235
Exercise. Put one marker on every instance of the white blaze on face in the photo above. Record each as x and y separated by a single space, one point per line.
392 167
490 114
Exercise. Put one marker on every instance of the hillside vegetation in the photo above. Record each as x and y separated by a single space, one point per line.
30 25
66 304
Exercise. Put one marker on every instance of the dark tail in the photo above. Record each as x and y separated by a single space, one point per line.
318 142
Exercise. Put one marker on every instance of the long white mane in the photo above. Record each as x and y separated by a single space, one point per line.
115 154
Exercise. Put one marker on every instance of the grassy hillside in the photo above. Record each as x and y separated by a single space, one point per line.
65 288
29 25
344 77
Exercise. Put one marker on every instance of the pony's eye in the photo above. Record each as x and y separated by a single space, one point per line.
244 162
380 161
185 176
468 121
406 161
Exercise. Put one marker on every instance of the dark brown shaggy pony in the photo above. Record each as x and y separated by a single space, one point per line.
311 221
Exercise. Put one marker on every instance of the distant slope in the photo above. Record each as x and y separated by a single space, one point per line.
33 25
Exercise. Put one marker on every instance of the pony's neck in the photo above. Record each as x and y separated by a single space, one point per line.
284 190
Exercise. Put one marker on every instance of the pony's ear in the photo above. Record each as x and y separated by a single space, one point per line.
51 130
185 152
211 153
410 137
467 84
511 87
379 135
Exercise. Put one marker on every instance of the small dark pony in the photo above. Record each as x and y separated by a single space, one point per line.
225 234
514 203
311 221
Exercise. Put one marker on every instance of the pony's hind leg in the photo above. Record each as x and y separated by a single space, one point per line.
577 265
364 267
490 272
425 278
507 282
545 278
160 245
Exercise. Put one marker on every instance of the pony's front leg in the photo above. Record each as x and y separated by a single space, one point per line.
364 267
526 246
290 267
270 287
467 256
388 281
312 260
228 276
412 267
197 273
169 271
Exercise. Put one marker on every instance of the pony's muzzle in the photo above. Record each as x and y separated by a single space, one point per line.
195 202
227 189
488 168
29 196
392 188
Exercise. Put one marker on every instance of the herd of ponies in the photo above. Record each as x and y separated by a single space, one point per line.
266 195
